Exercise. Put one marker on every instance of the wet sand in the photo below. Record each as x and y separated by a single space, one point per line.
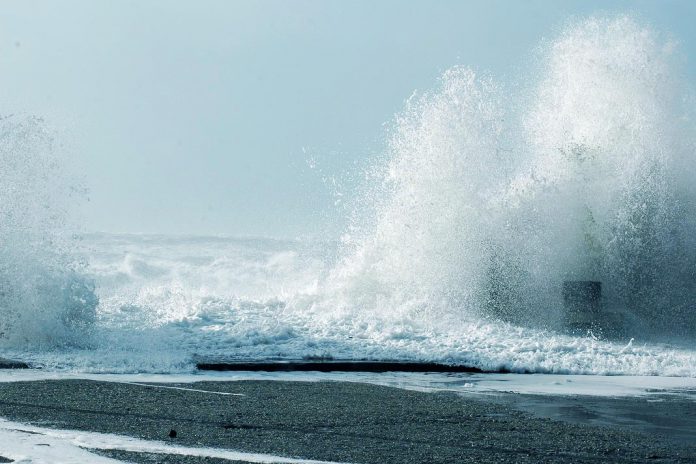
361 423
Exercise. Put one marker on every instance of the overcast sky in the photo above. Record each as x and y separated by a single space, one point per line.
200 116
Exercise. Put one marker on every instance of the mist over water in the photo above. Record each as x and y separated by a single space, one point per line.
485 201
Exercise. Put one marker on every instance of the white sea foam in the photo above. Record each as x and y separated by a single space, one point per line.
30 444
161 326
483 204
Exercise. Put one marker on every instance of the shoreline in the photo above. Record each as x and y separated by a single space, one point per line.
336 421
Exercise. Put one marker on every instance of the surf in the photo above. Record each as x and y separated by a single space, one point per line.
487 198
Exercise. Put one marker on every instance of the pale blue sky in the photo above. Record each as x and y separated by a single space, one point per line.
192 116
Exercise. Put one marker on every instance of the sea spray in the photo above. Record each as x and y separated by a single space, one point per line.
610 160
44 299
487 202
424 246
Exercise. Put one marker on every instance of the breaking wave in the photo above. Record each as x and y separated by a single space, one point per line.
45 300
487 202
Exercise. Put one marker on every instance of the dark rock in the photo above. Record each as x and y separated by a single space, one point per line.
172 433
582 295
346 365
582 300
12 364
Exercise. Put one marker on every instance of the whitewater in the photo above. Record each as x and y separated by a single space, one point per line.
485 200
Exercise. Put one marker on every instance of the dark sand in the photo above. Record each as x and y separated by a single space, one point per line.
359 423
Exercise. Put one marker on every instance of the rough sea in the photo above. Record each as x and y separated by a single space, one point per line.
485 200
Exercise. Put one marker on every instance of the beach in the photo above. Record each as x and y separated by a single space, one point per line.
346 422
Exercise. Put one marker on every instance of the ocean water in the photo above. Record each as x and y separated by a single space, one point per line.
486 199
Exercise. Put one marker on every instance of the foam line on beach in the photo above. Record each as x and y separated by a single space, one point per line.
150 385
542 384
41 445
